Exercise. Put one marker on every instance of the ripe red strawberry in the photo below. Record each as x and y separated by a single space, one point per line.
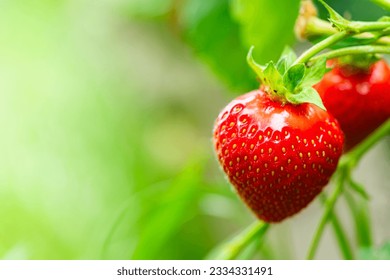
358 99
277 156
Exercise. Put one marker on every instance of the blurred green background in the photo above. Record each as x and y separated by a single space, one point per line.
106 113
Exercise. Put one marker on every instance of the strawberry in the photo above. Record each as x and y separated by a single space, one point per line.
358 98
276 149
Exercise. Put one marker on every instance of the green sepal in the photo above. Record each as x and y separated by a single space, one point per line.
306 95
289 82
294 75
268 75
354 26
314 73
274 80
257 68
286 60
335 18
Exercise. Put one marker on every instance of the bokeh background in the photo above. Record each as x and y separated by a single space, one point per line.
106 113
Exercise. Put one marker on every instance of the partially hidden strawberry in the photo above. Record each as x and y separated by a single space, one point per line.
358 98
278 152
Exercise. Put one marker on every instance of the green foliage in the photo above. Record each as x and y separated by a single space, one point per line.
221 32
215 36
366 10
288 81
293 76
148 8
317 71
261 20
306 95
380 253
176 204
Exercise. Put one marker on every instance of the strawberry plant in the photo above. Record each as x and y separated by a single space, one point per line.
281 144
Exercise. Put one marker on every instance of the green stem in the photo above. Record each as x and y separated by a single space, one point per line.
370 141
321 46
329 205
353 51
357 27
340 234
316 27
347 162
231 249
361 218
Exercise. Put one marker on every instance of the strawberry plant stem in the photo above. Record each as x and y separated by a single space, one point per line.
307 55
317 28
342 239
346 29
357 27
329 204
360 214
353 51
346 163
369 142
340 235
231 249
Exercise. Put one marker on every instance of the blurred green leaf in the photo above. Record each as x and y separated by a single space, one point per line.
215 36
222 32
168 211
148 8
380 253
268 25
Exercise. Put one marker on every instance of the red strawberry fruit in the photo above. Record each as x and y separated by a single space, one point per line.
358 98
278 152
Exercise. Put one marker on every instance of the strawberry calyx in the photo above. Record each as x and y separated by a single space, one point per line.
290 82
357 63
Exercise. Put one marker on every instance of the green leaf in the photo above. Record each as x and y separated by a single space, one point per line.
385 18
354 26
172 208
281 65
335 18
148 8
294 76
267 25
314 73
274 80
268 75
232 248
257 68
286 60
307 95
209 28
381 253
383 3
